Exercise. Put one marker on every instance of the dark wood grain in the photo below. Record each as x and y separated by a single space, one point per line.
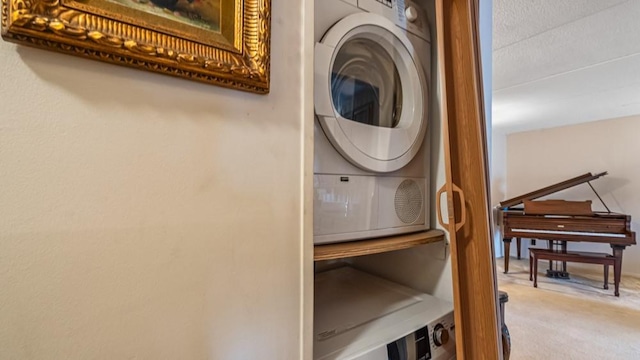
557 207
551 189
579 257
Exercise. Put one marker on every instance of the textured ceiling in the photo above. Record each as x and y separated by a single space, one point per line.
560 62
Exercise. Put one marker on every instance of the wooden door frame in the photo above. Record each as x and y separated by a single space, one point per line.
466 164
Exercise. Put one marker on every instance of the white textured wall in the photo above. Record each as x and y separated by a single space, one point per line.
540 158
486 41
498 184
149 217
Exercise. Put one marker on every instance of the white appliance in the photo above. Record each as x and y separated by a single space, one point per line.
359 316
371 168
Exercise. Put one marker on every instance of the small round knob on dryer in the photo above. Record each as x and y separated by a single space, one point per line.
411 13
440 335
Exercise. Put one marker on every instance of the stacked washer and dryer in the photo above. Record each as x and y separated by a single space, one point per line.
371 176
371 161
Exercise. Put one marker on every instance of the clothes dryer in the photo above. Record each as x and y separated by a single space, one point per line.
371 168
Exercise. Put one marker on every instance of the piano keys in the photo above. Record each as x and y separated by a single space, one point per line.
564 221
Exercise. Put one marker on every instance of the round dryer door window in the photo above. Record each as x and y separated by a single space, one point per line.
369 93
365 84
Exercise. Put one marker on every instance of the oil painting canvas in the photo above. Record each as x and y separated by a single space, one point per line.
209 22
200 13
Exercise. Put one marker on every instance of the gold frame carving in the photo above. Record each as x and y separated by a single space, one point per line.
242 63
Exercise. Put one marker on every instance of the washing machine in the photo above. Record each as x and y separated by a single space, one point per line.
371 99
359 316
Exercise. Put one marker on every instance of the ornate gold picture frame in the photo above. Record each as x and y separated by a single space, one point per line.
222 42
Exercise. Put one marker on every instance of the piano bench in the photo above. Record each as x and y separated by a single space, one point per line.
605 259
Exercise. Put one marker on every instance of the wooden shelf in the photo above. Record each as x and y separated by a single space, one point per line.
375 246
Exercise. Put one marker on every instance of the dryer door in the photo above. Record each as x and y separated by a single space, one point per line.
370 97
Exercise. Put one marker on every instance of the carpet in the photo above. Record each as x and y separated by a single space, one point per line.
570 319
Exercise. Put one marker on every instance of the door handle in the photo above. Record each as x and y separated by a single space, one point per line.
463 210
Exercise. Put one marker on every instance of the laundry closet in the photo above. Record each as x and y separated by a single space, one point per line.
398 142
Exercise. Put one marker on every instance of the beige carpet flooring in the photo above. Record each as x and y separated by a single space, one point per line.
570 319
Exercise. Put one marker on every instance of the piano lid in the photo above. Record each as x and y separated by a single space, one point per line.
551 189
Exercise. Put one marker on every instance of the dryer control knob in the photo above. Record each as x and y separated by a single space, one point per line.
411 13
440 335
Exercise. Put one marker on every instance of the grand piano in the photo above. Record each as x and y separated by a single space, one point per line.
560 221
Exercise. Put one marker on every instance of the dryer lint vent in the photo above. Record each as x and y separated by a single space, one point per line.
408 201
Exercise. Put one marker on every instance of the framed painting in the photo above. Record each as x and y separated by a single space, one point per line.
222 42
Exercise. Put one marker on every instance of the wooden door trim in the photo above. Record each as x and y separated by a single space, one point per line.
472 263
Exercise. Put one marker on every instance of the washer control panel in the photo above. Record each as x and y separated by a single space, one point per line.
435 341
404 13
442 338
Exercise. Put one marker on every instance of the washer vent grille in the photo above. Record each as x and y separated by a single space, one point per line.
408 201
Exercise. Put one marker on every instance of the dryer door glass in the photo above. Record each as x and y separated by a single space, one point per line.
365 84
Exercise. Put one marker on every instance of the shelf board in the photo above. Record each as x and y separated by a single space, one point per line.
375 246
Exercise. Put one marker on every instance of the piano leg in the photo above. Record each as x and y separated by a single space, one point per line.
507 247
617 267
518 243
606 277
531 267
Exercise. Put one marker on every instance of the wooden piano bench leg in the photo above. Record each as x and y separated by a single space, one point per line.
530 266
518 247
606 277
535 272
